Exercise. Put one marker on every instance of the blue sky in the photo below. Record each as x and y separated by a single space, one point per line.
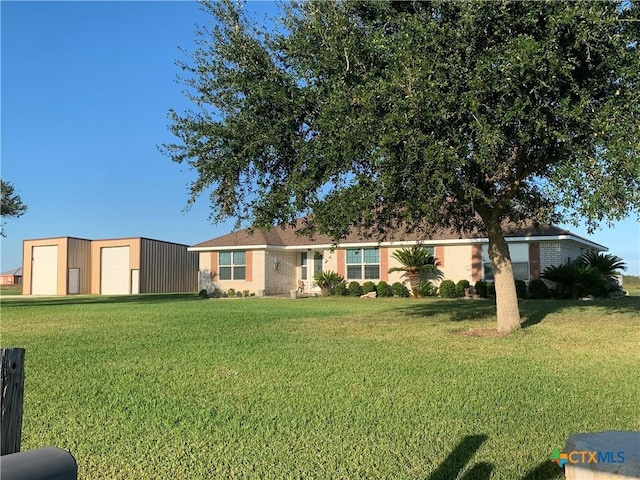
86 87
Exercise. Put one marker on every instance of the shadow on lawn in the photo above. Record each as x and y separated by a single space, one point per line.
458 459
546 470
97 299
531 311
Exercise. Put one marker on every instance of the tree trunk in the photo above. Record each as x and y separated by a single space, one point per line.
414 282
506 298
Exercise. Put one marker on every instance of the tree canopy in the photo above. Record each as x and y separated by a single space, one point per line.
12 205
422 115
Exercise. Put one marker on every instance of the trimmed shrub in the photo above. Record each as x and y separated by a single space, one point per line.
231 292
217 293
245 293
491 289
339 289
354 289
427 289
368 287
203 293
538 289
448 289
461 286
481 288
399 290
521 289
384 289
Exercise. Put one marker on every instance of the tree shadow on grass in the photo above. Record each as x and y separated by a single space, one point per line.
531 311
546 470
457 460
97 299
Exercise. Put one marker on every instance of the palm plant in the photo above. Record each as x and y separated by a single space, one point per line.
417 264
327 280
608 265
575 280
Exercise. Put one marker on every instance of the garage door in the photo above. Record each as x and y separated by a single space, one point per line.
114 268
44 270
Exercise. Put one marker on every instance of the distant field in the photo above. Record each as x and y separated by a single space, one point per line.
632 284
169 386
10 289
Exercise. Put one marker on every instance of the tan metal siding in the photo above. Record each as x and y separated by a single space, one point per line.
167 267
79 256
27 266
96 247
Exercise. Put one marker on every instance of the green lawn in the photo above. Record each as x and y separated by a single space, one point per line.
169 386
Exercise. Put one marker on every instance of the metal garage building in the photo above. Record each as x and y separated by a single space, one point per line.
67 265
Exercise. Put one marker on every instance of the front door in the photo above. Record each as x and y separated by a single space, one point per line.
316 268
310 264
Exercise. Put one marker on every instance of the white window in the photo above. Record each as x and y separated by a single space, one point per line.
519 253
232 265
363 263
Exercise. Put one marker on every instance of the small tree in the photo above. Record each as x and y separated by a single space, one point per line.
12 205
417 263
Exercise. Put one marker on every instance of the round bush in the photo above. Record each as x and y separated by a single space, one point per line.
481 288
203 293
538 289
521 288
217 293
339 289
384 289
399 290
461 286
448 289
491 289
354 289
368 287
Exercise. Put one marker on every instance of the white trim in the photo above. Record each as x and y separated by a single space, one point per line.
404 243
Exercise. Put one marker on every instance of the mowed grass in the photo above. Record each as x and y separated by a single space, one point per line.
169 386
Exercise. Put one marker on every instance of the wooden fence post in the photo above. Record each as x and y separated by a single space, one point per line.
12 389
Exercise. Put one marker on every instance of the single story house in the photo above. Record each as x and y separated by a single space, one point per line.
276 261
11 277
68 265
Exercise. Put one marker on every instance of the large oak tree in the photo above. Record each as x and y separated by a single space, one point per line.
426 115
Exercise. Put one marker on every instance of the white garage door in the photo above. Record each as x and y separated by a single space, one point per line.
44 270
114 268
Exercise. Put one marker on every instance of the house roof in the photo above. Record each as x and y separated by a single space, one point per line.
287 237
16 272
